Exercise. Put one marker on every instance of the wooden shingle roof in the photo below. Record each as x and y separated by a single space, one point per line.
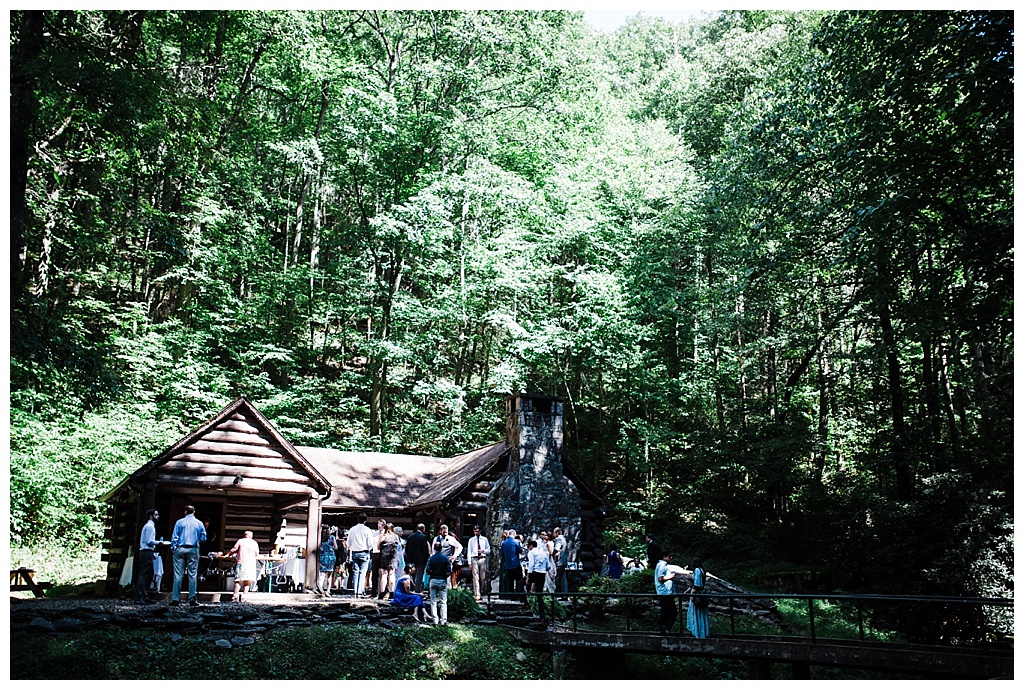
376 481
462 470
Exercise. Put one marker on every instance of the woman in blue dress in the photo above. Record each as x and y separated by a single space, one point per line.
614 561
328 543
697 621
405 596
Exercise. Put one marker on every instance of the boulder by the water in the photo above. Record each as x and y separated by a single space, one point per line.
761 608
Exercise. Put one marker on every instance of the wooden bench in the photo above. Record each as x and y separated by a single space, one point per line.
22 580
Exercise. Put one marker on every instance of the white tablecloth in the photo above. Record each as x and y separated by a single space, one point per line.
295 568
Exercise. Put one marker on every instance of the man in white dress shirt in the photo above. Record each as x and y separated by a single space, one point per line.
361 540
451 548
479 548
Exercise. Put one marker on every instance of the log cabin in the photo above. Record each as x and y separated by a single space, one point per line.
241 474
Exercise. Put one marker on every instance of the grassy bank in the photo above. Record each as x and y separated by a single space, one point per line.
338 652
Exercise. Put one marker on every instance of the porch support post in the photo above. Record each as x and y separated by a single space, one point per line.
312 542
147 500
147 497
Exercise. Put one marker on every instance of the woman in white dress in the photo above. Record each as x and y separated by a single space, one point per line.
552 573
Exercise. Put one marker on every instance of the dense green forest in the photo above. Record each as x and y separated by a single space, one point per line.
765 257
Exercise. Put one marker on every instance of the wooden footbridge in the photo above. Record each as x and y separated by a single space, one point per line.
603 651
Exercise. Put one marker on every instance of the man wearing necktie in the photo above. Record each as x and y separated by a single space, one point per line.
479 549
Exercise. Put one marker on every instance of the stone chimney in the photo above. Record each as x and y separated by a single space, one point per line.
534 495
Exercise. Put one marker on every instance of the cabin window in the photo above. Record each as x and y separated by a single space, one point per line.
469 520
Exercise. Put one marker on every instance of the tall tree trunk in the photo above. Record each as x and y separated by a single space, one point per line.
308 178
314 239
719 401
243 87
379 366
297 238
772 387
744 421
950 407
42 282
979 364
824 402
929 377
901 464
931 399
23 115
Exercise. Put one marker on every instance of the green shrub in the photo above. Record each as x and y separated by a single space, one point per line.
461 604
640 582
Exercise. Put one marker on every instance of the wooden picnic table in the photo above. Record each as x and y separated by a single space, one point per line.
23 580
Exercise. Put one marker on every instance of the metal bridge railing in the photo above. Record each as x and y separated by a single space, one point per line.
725 603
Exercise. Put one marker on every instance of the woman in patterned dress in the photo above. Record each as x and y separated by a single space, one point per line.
328 544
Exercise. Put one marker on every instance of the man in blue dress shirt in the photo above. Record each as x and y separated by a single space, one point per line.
188 534
510 553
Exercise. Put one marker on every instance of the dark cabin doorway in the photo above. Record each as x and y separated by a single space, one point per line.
210 513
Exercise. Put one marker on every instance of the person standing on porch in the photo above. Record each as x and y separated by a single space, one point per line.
479 548
510 558
147 548
361 540
341 559
246 551
537 570
549 580
653 551
185 540
401 551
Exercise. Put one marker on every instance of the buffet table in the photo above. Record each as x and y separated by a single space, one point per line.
216 572
295 568
276 571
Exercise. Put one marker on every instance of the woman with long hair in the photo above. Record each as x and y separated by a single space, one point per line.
328 556
697 620
388 544
552 574
614 562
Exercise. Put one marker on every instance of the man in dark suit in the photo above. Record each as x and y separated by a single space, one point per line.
653 551
417 551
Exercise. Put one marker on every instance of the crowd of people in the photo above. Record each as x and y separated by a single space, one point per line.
386 565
